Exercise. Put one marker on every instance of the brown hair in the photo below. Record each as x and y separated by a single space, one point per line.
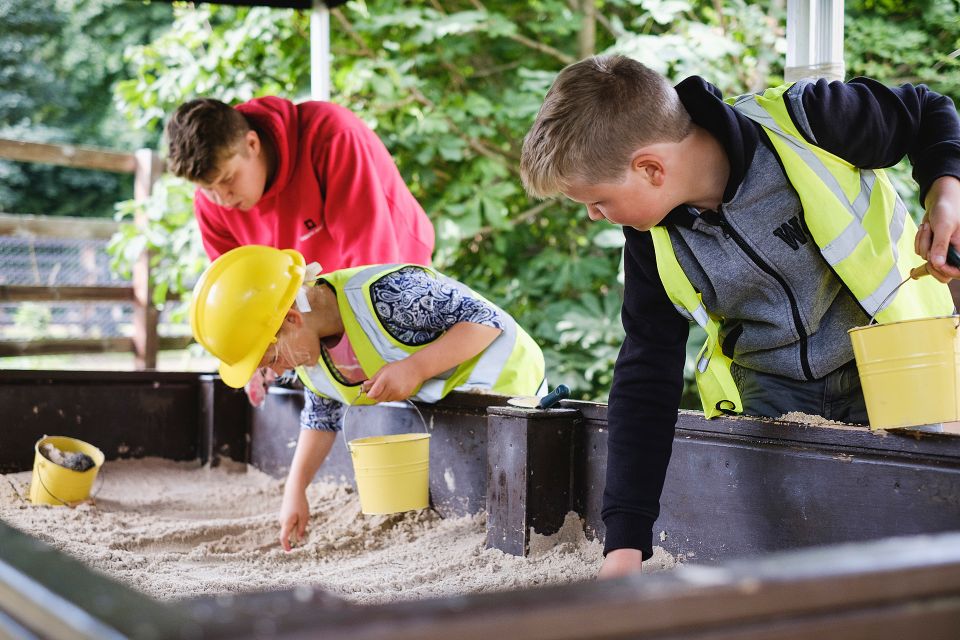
597 113
200 134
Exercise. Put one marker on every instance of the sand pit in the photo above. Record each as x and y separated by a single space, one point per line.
178 530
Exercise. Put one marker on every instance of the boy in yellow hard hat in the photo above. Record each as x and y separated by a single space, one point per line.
354 336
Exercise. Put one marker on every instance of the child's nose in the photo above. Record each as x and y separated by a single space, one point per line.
594 213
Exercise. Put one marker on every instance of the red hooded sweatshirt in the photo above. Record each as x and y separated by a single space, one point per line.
336 196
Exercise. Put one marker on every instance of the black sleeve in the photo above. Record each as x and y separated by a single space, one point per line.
644 398
873 126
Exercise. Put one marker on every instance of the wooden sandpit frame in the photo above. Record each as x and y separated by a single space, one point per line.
787 528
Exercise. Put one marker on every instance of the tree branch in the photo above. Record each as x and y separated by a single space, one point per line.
587 37
476 144
527 42
602 19
526 216
352 32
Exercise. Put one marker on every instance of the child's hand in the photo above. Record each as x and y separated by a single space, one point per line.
294 514
394 381
621 562
940 227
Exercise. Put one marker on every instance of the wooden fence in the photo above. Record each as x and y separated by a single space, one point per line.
146 167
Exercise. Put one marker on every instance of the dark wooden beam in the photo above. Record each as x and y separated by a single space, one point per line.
23 293
46 347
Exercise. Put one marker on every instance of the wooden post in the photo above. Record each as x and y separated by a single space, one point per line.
145 314
529 474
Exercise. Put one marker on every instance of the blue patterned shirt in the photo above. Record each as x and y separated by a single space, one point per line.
415 308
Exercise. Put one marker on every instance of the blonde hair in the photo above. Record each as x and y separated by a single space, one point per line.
597 113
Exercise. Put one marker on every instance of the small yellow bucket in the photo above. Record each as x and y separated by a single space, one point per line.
393 472
56 485
910 371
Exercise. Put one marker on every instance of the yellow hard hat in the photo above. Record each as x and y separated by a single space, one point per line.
239 304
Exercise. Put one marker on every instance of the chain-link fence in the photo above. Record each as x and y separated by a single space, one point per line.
67 262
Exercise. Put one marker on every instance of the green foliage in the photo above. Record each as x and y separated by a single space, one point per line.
898 42
31 320
452 87
168 231
58 62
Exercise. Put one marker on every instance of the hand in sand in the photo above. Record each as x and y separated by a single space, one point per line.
294 514
621 562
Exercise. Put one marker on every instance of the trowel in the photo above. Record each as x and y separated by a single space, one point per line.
953 259
533 402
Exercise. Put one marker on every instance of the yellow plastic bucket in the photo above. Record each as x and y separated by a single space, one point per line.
910 371
56 485
393 472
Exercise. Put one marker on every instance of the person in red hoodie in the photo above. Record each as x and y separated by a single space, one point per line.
308 176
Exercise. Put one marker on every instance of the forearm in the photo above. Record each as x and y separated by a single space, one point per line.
458 344
641 419
644 397
313 446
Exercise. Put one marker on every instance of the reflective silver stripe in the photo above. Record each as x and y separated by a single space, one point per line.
897 224
357 300
682 310
320 380
795 95
431 390
872 302
487 368
848 239
703 363
699 314
749 107
495 357
893 278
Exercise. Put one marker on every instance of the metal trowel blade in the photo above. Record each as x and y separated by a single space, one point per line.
547 401
526 402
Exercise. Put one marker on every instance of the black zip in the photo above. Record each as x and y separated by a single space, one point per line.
730 232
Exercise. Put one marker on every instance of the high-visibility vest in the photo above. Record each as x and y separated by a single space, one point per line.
855 217
511 365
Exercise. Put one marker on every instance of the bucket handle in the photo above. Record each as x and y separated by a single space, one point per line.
953 259
343 418
61 500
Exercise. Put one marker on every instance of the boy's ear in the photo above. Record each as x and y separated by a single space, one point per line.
251 141
650 166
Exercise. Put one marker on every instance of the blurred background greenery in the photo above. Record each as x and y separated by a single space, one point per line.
450 87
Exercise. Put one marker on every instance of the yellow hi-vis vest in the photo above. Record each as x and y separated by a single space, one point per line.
511 365
855 217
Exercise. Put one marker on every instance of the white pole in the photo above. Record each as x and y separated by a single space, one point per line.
320 51
814 40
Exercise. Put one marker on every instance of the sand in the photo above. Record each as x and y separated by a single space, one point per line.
806 418
178 530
